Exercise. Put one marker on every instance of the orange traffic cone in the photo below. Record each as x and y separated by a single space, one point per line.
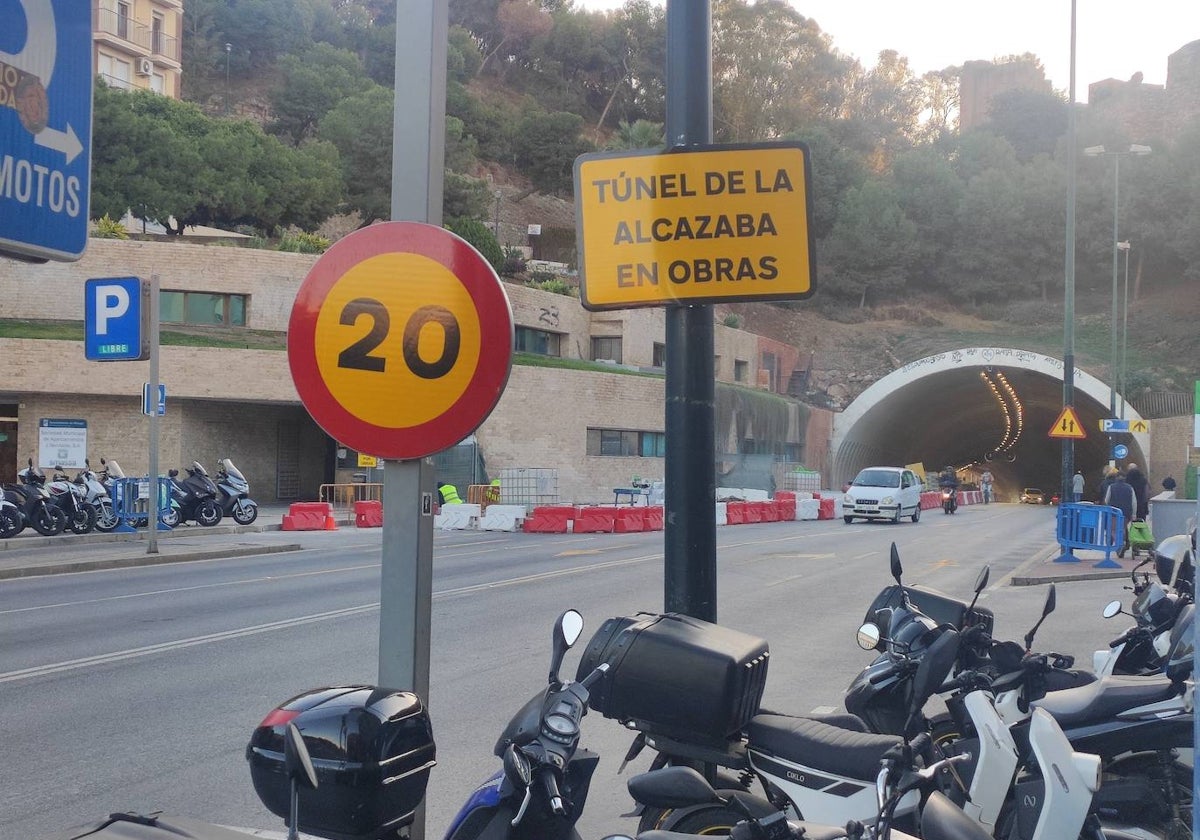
330 522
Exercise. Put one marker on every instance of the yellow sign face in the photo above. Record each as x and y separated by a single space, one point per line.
1139 426
367 460
697 226
397 354
1067 426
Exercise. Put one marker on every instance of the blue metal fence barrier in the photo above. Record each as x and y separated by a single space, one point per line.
131 503
1091 527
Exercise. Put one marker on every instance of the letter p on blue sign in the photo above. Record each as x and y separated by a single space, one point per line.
116 319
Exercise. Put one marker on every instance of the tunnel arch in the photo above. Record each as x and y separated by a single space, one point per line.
941 410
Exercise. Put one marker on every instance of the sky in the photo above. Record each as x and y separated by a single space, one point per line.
1114 38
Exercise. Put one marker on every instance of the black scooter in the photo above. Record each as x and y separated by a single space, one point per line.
194 498
33 500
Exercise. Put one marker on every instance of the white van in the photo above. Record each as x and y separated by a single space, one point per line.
889 493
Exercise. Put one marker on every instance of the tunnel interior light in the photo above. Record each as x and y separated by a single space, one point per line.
1010 407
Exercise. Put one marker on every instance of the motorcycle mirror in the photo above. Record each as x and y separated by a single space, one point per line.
173 473
1047 608
516 768
981 582
897 570
296 761
566 633
1112 609
868 637
935 666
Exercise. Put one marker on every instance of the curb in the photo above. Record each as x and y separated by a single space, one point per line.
95 538
1018 576
142 560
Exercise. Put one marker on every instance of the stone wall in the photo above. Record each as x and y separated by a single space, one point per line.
1170 449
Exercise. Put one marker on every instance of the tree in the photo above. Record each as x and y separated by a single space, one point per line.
1031 121
929 193
164 159
642 134
870 245
313 82
546 145
887 99
361 129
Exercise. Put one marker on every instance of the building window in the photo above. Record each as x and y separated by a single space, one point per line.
529 340
156 34
202 308
626 443
770 365
123 20
606 347
741 370
114 71
158 83
659 355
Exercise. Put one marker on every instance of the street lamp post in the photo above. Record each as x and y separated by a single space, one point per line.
1116 155
496 227
228 52
1124 386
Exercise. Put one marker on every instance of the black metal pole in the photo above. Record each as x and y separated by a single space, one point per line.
1068 445
690 530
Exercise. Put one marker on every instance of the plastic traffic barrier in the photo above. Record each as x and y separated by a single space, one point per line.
309 516
654 517
502 518
735 513
368 513
594 520
629 520
549 519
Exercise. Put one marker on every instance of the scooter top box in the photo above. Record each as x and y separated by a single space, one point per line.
372 749
678 676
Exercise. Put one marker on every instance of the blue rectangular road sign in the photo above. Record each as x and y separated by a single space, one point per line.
46 128
115 319
147 408
1114 424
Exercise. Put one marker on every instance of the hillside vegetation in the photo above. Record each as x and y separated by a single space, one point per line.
913 218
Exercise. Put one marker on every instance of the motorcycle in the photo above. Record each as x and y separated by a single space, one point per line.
235 498
110 474
1135 724
194 498
1142 649
949 500
34 502
11 521
96 495
540 791
70 496
1059 810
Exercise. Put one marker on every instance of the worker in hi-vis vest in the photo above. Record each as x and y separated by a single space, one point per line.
448 494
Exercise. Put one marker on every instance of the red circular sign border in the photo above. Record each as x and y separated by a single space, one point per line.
487 383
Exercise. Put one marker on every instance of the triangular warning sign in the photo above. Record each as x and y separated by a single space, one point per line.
1067 426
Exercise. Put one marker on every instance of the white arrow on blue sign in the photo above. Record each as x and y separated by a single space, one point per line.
46 129
1120 451
116 317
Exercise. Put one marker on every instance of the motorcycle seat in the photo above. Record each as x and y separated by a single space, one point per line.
819 745
1104 698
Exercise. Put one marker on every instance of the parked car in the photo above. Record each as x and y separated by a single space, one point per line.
888 493
1032 496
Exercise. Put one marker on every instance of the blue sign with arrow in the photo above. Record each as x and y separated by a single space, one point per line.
1120 451
45 128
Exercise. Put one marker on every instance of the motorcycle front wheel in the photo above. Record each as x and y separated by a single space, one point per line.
11 523
82 520
208 513
170 518
106 517
244 513
48 521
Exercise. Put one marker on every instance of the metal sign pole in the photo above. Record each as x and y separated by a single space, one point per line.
152 505
690 530
1068 444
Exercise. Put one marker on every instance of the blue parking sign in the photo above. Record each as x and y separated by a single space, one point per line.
116 313
45 128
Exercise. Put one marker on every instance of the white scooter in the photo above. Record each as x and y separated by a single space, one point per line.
96 495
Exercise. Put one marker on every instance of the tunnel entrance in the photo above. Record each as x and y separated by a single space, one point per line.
977 407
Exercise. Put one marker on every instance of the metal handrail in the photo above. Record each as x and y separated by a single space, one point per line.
341 497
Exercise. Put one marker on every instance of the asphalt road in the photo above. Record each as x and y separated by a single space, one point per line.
137 689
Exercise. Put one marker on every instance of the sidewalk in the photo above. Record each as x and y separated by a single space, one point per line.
29 554
1045 567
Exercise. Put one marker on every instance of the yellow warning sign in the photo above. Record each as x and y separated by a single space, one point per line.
1067 426
1139 426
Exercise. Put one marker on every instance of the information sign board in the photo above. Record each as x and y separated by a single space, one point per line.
697 225
62 443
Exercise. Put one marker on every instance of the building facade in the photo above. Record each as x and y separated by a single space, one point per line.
234 397
137 44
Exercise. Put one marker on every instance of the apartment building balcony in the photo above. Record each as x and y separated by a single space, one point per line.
124 32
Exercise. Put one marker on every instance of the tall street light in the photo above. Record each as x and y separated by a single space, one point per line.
1116 154
1124 246
228 52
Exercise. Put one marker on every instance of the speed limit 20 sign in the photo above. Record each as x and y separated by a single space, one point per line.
400 340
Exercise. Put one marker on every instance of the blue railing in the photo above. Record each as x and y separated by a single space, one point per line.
131 503
1090 527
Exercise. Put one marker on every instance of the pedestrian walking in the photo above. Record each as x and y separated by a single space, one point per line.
1106 479
1077 486
1120 495
985 484
1141 490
